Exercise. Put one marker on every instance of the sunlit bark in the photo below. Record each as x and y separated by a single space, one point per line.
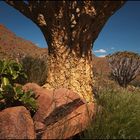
70 29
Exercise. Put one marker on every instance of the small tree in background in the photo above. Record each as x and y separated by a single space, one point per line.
125 66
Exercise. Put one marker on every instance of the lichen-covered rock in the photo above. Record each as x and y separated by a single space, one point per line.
16 123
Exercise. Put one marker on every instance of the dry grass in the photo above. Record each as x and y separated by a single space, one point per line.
118 111
36 69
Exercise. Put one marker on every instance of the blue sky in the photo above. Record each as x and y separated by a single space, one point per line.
121 32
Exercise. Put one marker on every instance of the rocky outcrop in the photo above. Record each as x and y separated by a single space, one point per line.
16 123
19 46
71 124
61 113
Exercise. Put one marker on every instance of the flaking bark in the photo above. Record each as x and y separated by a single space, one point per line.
70 29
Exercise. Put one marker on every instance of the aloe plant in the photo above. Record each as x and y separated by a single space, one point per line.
125 67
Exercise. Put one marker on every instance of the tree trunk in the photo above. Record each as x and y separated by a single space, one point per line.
70 72
69 69
70 28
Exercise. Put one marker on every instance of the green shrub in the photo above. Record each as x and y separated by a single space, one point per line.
117 116
11 72
11 95
15 96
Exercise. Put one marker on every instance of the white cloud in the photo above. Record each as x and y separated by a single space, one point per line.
37 44
100 51
101 55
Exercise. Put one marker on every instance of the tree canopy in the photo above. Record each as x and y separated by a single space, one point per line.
78 20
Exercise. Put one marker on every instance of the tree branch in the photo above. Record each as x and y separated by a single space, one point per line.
22 7
91 18
104 10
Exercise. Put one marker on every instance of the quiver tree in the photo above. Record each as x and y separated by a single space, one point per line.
70 29
125 66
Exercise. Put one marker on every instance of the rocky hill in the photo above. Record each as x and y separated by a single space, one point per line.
12 46
101 66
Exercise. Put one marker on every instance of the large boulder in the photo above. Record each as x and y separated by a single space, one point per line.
44 100
51 102
61 113
16 123
71 124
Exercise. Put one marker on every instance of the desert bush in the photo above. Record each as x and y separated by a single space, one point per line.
125 66
36 69
117 116
10 94
15 96
11 72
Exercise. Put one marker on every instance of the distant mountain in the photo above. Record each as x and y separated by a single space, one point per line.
12 46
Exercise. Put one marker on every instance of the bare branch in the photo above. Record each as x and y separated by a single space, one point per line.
104 10
33 10
80 21
22 7
90 17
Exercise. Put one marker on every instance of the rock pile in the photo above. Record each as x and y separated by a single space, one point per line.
61 114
